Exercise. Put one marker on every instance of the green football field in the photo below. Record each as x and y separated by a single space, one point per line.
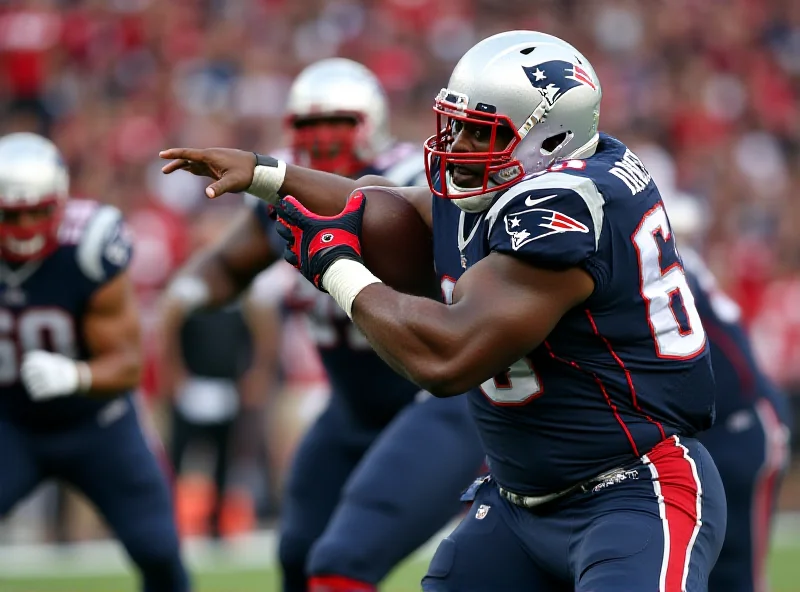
784 568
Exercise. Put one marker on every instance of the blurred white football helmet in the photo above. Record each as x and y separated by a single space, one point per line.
337 89
34 185
537 85
688 216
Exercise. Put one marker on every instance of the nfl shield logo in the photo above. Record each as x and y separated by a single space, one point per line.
482 511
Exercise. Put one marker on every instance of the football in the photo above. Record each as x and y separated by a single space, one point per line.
396 243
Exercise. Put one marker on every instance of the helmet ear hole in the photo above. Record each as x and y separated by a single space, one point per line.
553 142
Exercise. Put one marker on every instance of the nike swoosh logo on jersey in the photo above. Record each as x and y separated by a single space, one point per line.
529 201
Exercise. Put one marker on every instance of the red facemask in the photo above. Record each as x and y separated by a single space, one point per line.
327 145
438 149
34 239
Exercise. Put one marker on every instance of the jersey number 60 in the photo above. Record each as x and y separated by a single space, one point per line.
36 328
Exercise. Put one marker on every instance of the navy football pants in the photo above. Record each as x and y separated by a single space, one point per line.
751 451
658 529
113 466
360 500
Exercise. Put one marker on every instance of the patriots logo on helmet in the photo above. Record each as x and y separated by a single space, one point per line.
555 78
531 225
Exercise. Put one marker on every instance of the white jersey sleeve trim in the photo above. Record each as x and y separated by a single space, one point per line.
93 242
583 186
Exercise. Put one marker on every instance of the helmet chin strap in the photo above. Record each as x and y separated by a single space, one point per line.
587 150
476 203
473 204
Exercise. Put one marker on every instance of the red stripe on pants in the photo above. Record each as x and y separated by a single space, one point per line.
679 493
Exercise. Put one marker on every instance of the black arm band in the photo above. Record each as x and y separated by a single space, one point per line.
264 160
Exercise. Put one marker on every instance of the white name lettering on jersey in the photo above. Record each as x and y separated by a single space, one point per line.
631 171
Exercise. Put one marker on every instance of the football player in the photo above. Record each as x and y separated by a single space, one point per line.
70 359
567 321
749 440
381 469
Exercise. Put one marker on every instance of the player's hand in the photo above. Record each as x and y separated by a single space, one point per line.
47 375
314 242
232 170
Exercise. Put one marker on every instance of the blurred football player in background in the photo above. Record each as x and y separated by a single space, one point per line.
381 469
70 359
218 367
750 438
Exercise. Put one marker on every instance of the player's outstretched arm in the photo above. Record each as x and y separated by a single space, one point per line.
269 179
235 171
111 329
502 309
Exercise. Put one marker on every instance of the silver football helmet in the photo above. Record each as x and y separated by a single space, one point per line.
34 183
340 89
540 87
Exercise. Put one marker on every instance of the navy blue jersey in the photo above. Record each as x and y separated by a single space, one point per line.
373 390
617 374
42 304
740 383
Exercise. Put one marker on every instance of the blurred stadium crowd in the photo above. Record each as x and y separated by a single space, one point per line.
705 90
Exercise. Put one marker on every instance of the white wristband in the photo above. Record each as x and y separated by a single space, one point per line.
192 292
344 279
84 377
267 181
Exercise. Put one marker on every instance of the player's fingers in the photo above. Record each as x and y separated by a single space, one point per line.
356 201
290 201
231 181
285 232
31 366
183 154
291 257
218 188
285 211
34 380
176 165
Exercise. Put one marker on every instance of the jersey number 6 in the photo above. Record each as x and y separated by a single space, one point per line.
664 289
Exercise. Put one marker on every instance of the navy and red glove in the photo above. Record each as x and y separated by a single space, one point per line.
314 242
